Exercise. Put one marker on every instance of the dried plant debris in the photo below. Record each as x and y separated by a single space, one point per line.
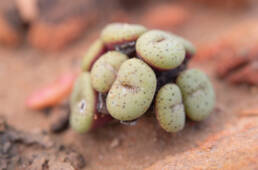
22 150
52 94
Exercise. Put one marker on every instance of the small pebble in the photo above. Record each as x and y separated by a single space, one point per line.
115 143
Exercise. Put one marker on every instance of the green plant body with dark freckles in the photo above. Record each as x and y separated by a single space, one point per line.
129 69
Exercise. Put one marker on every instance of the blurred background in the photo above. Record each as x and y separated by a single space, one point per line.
41 40
53 25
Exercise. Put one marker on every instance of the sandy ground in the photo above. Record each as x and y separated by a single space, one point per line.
24 69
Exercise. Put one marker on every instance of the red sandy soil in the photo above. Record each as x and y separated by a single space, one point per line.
24 70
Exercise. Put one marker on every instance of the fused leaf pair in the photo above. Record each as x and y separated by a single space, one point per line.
192 95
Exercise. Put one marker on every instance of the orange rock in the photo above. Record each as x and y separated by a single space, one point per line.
253 54
53 93
229 62
249 112
235 54
242 36
61 24
225 3
248 74
211 50
165 16
120 16
239 38
53 38
228 152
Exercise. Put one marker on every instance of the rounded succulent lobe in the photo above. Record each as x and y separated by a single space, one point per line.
120 33
104 70
169 108
198 94
189 47
132 92
160 50
82 104
93 53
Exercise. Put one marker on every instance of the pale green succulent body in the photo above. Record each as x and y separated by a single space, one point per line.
169 108
104 70
198 94
160 50
189 47
92 54
118 33
132 92
82 104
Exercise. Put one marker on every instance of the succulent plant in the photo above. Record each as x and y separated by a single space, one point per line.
169 108
104 70
198 94
128 70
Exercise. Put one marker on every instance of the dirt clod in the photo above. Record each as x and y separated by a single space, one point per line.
59 118
24 150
